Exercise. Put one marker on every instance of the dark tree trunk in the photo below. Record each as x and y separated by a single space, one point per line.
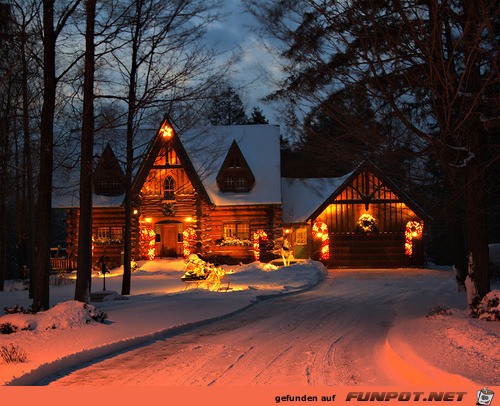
42 266
3 195
84 272
127 240
479 272
30 196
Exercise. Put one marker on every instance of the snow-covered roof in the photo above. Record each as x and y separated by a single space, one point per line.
260 145
303 196
66 179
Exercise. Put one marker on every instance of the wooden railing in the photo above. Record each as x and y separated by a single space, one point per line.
62 264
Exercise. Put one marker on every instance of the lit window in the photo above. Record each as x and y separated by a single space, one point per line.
109 235
240 185
103 233
229 184
301 236
169 193
237 230
116 234
236 184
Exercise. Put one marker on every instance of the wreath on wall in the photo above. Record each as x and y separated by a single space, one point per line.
366 224
168 210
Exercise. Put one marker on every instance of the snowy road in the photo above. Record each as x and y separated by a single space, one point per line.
334 334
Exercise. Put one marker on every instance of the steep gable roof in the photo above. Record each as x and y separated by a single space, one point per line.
67 164
167 137
208 147
109 179
370 167
235 165
303 196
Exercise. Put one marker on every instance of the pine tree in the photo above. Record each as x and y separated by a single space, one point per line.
258 117
227 109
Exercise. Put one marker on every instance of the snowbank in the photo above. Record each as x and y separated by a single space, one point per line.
160 304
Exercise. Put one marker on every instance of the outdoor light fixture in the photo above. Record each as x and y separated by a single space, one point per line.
166 131
148 220
189 219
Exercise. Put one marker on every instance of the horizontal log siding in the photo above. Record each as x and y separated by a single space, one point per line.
267 218
102 217
184 206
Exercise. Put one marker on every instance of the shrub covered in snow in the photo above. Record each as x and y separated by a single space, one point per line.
7 328
438 310
12 353
62 316
489 307
95 313
17 309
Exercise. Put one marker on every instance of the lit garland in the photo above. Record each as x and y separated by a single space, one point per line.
366 224
188 240
147 238
320 230
258 236
413 229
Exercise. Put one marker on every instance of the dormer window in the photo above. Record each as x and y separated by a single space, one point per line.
109 179
169 191
235 174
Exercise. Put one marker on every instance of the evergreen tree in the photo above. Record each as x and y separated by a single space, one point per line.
227 109
258 117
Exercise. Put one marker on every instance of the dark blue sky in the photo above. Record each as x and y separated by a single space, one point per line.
257 67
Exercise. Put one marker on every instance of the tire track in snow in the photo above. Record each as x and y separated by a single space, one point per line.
330 335
231 366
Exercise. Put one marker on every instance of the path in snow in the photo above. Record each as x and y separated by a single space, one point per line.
331 335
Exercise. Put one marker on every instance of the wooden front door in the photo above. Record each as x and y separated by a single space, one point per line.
170 241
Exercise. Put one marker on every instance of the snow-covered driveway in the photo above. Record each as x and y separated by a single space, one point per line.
351 329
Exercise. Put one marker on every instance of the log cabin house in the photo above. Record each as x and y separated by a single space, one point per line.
218 192
359 220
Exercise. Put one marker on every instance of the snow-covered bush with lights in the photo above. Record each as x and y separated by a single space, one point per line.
198 270
489 307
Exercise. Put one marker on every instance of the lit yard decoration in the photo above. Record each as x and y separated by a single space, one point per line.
320 231
413 230
203 273
366 224
147 242
188 241
258 237
286 252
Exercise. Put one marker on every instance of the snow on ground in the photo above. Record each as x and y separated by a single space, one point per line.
63 335
159 304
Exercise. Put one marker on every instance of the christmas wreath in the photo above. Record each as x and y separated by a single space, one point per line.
366 224
168 210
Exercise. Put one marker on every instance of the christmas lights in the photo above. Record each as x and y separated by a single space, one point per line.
188 241
258 236
366 224
320 230
414 229
147 242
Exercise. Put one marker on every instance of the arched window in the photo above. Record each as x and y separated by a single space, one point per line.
169 193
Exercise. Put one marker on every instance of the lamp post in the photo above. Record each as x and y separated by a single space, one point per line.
104 271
